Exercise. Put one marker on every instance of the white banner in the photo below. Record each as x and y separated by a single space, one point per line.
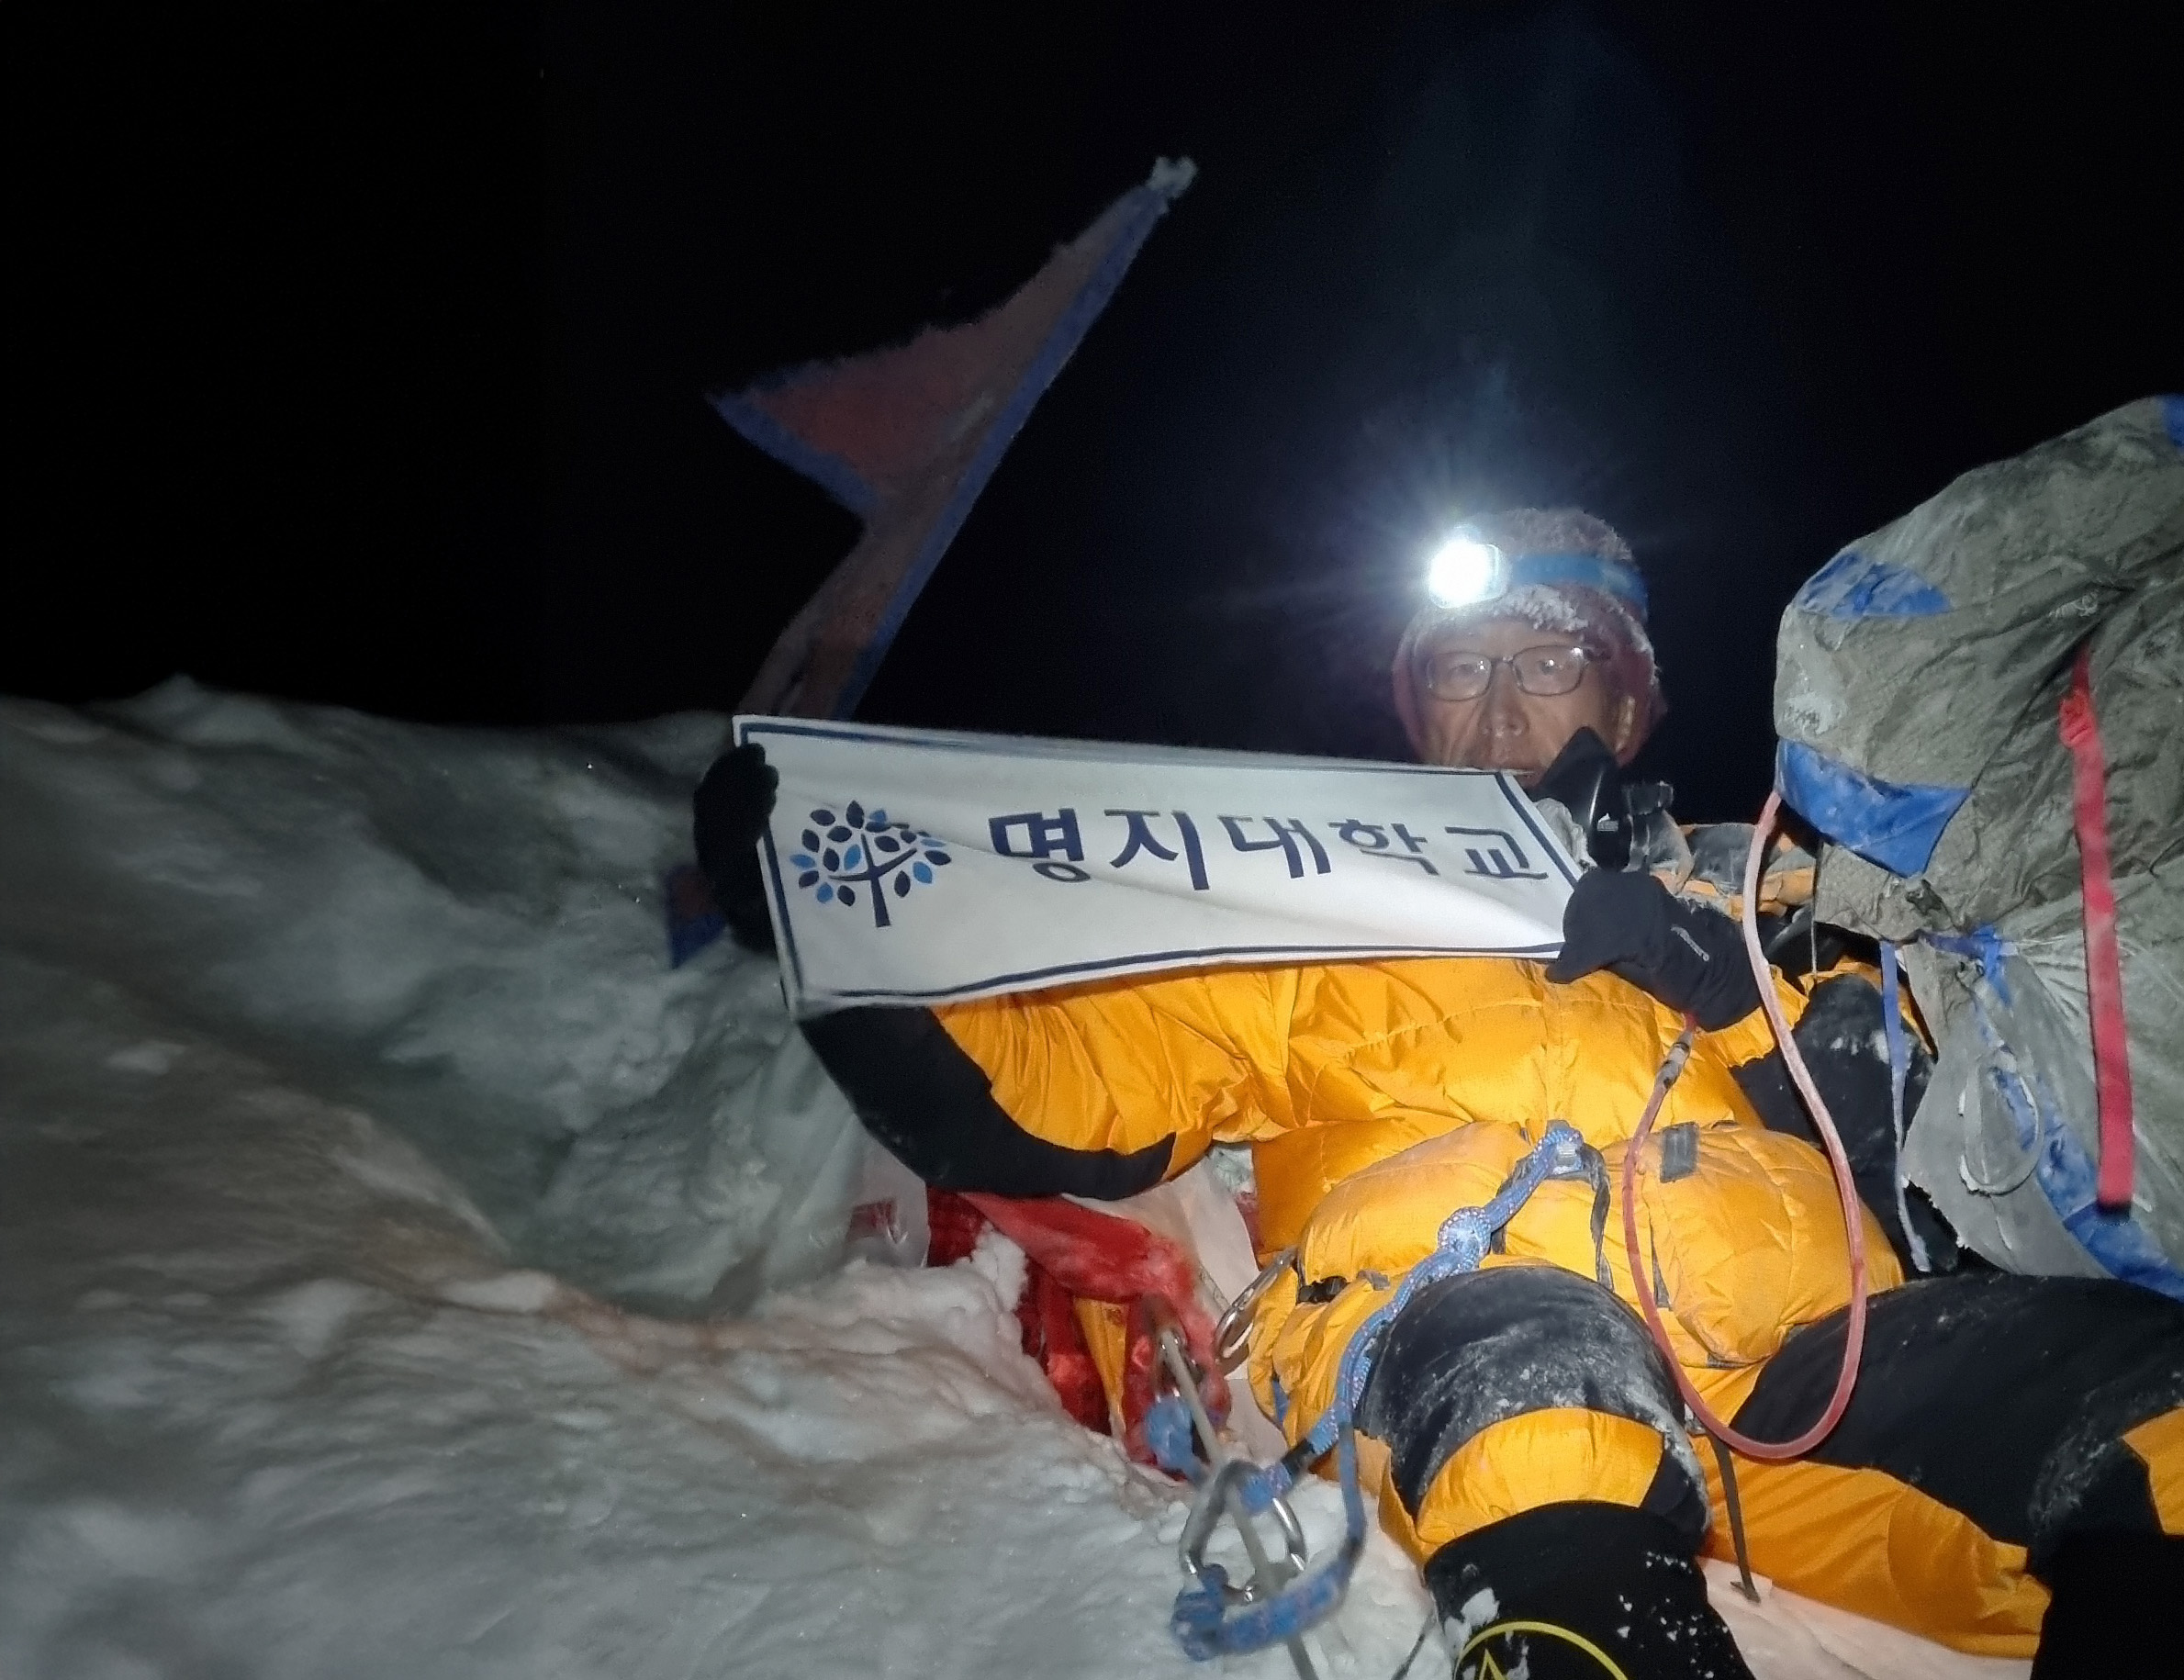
916 866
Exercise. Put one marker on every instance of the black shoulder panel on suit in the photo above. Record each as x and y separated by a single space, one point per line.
933 1107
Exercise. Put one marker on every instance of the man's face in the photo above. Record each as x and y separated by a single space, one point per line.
1505 728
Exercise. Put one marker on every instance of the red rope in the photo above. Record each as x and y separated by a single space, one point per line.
1846 1194
2104 963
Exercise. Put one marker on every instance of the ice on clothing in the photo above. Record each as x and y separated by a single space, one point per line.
372 1200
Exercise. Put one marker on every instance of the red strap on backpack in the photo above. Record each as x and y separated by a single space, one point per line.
2104 962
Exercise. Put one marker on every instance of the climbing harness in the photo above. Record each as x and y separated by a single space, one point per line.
1463 1241
1212 1618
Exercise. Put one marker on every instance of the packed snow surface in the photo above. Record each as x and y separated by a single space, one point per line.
404 1272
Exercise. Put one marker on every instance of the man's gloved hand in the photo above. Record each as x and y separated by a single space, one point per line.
1690 958
730 809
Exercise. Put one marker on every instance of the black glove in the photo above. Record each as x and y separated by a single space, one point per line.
1690 958
731 809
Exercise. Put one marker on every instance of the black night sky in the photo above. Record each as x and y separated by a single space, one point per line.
363 351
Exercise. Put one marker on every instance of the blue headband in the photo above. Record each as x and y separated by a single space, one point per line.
1585 571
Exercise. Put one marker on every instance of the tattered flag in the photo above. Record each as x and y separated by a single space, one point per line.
907 437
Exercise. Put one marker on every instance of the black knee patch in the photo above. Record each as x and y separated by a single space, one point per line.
1472 1350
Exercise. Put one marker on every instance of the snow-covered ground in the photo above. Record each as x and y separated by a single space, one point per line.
404 1272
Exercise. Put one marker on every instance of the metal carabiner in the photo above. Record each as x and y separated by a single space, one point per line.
1175 1370
1218 1493
1232 1330
1206 1511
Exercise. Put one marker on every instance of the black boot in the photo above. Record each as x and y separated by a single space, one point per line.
1580 1591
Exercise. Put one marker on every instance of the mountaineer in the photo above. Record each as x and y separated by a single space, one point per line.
1525 1438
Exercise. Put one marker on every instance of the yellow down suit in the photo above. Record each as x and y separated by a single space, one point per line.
1379 1097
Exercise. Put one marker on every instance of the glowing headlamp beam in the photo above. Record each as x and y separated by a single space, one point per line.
1464 571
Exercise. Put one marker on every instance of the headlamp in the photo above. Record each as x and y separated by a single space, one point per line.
1467 571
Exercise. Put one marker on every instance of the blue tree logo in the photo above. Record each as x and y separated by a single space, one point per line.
862 852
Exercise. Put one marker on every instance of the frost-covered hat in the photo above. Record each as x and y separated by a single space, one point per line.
1557 569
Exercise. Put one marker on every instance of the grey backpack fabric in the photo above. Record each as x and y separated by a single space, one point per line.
1918 679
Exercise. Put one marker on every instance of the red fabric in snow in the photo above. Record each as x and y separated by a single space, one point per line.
1109 1258
1076 1252
1051 1334
1053 1338
954 1223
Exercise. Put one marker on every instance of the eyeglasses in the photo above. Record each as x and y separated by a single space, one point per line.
1541 671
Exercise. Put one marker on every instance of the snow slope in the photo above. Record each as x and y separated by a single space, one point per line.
403 1272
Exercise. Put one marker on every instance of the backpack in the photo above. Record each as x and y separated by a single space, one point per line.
1923 677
